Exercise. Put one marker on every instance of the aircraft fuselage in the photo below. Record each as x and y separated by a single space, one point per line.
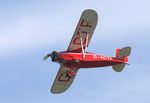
90 60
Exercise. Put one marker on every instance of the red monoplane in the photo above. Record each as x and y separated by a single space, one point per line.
76 57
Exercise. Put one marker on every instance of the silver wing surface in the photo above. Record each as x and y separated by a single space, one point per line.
80 41
62 81
84 30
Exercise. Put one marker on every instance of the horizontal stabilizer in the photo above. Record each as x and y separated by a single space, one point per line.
122 53
118 67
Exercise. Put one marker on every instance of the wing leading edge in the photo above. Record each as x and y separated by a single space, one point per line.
84 30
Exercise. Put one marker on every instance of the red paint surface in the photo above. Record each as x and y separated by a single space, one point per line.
91 60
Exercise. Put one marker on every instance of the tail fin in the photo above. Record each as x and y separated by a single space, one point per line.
122 54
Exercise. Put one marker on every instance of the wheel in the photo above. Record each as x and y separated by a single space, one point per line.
77 61
71 73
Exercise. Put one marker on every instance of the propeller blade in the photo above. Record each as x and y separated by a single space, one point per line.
46 57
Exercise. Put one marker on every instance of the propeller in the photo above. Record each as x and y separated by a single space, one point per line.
54 55
47 56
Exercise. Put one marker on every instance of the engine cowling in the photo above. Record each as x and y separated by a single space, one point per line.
54 56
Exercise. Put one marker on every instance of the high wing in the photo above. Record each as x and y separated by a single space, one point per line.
62 81
84 31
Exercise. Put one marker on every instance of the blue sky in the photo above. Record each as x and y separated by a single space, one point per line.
30 29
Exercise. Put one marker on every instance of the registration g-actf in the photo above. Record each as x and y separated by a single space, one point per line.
76 57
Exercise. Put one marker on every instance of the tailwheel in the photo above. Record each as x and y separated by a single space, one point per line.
71 73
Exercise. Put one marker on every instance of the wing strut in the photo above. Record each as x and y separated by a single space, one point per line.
86 45
81 42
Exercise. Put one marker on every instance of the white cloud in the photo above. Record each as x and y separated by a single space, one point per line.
39 24
29 30
29 26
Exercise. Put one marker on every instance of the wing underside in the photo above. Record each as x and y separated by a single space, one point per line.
79 42
62 81
84 31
